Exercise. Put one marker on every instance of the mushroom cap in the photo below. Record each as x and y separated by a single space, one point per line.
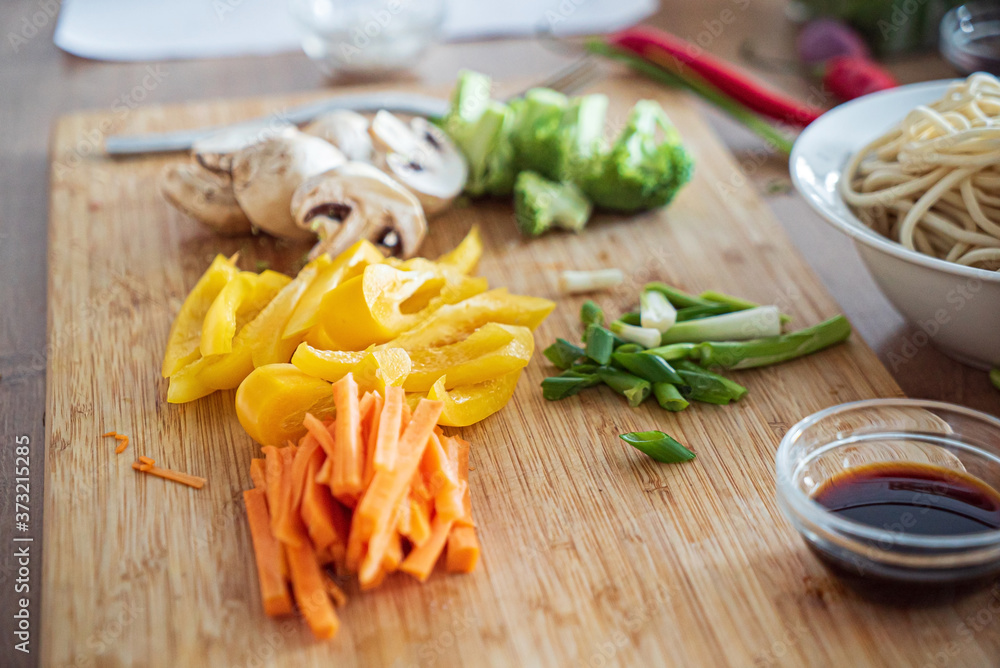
215 152
347 130
358 201
421 157
265 176
205 196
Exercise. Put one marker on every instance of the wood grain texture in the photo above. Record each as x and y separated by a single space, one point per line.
592 554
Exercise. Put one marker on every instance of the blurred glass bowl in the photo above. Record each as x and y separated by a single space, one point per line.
970 37
366 37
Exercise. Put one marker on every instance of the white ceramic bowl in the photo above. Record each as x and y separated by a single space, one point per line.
957 307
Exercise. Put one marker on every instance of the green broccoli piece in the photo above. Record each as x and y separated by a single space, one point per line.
639 171
481 129
540 204
581 136
536 136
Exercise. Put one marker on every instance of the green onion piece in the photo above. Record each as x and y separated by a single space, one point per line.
669 397
676 351
708 387
647 337
737 303
560 387
584 368
678 298
562 353
995 378
591 314
650 367
629 348
658 446
775 349
633 318
600 344
590 379
737 326
656 311
698 312
633 388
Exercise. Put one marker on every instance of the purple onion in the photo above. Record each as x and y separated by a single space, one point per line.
823 39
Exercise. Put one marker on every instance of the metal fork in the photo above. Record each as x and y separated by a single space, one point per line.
567 80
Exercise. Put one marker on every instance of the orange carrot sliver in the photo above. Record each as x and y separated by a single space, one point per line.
267 550
463 550
420 562
310 591
290 529
369 434
147 460
347 480
257 473
389 428
174 476
109 433
325 520
273 465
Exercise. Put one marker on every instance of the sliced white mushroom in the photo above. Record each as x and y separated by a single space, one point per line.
265 176
422 158
216 151
359 201
347 130
206 196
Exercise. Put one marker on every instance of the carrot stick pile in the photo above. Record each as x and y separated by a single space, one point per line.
376 490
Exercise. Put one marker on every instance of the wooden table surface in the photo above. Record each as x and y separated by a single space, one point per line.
38 83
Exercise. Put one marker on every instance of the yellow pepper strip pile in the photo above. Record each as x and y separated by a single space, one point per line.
427 326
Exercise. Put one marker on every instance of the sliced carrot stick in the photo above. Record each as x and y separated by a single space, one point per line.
379 508
440 472
310 591
174 476
273 464
267 551
109 433
420 522
463 475
393 554
369 433
291 530
372 570
346 481
389 428
147 460
366 404
407 416
421 560
257 473
319 431
463 550
325 519
122 443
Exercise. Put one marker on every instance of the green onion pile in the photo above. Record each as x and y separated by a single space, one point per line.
667 348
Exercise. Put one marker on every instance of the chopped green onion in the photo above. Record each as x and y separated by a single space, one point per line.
650 367
647 337
562 353
656 311
736 303
631 318
678 298
708 387
574 282
738 326
629 348
584 368
995 378
600 344
697 312
658 446
560 387
591 314
775 349
635 389
676 351
669 397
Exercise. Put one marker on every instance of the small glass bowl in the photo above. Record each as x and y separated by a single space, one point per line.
970 37
889 430
367 37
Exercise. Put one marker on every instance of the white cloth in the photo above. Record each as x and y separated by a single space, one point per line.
178 29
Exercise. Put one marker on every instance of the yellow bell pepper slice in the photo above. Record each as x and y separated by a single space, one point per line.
330 365
468 404
384 302
453 322
273 400
492 350
352 262
238 303
185 334
187 384
266 332
380 368
465 256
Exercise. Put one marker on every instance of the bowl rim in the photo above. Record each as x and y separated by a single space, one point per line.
850 224
807 508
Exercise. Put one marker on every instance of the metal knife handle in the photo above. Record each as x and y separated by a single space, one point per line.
165 142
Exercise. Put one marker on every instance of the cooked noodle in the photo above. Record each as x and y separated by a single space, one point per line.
932 183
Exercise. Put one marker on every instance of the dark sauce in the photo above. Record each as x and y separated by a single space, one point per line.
912 499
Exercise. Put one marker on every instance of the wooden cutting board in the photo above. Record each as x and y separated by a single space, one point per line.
593 555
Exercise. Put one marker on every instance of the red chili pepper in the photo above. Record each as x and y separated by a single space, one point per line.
849 77
662 47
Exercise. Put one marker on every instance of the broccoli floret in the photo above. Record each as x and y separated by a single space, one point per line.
639 171
481 129
581 136
536 136
540 204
